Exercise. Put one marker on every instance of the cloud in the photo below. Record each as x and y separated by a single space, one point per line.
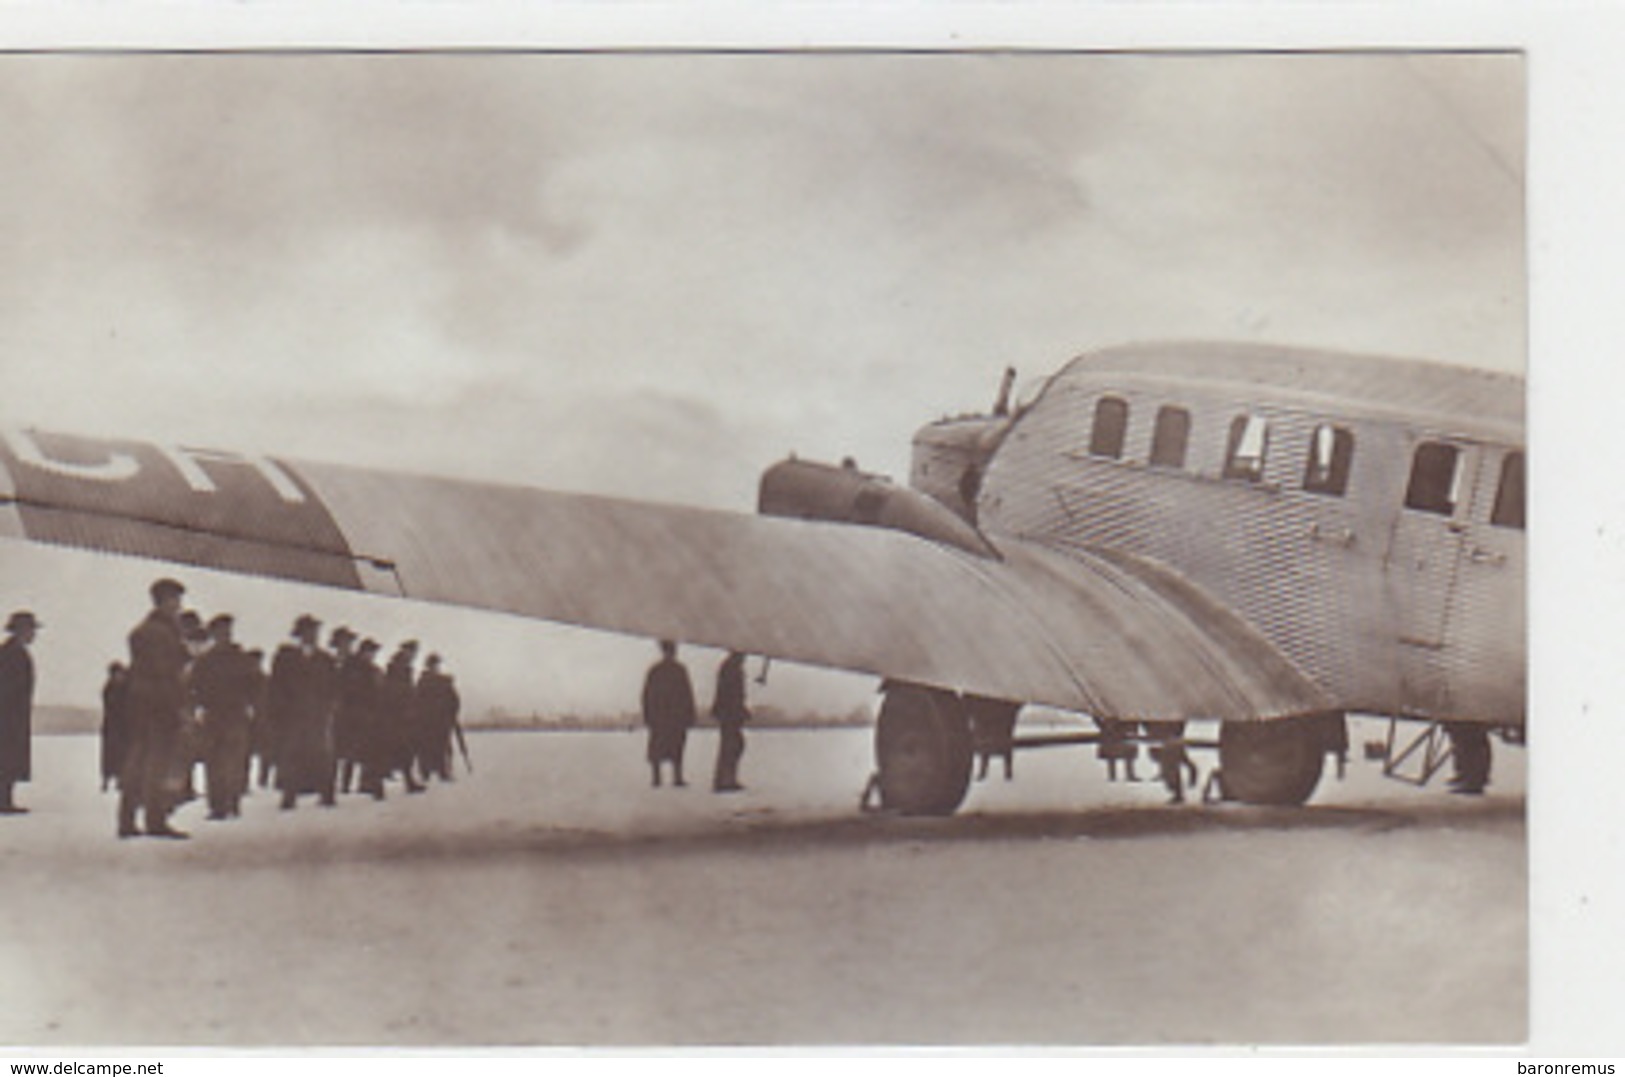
527 208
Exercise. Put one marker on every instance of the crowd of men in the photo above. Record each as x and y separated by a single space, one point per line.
325 720
322 720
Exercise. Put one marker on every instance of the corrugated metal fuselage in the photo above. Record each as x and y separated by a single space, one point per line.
1389 608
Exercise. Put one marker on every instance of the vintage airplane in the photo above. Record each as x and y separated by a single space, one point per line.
1266 537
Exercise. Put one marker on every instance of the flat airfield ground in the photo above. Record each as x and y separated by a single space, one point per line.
554 898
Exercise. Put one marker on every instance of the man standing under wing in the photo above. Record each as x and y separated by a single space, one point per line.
668 711
728 708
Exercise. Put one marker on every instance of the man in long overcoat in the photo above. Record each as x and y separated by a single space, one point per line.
398 717
355 724
668 711
347 732
157 703
225 688
728 708
438 704
299 704
115 738
16 707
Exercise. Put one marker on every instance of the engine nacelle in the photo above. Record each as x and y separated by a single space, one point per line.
951 456
806 490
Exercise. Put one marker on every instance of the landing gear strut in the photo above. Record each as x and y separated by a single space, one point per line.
923 749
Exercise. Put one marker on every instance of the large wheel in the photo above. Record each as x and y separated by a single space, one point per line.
1276 762
923 751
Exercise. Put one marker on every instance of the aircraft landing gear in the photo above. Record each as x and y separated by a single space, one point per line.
1275 762
923 751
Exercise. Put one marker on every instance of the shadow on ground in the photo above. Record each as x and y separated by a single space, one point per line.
766 833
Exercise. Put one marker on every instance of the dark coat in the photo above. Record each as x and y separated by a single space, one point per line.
225 684
115 724
729 704
299 705
397 715
16 711
668 708
158 660
1114 740
668 696
437 704
353 724
152 773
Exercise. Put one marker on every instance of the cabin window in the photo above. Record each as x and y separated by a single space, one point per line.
1249 440
1435 478
1111 425
1331 451
1169 437
1508 511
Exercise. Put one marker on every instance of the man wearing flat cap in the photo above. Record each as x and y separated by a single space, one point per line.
16 707
157 705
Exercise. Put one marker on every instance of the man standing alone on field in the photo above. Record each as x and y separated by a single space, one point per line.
16 707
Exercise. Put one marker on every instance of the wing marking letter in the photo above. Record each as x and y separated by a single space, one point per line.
116 468
189 462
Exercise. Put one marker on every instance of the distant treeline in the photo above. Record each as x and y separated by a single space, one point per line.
766 717
55 719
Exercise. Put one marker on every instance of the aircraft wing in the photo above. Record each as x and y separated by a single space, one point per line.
1083 630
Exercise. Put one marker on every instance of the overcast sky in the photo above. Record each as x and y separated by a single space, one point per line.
652 275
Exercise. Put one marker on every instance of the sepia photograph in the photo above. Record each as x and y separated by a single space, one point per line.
764 548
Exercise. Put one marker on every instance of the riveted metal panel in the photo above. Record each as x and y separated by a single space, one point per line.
1472 401
1079 633
1323 578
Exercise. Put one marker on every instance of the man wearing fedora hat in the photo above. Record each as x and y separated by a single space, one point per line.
299 704
396 719
16 706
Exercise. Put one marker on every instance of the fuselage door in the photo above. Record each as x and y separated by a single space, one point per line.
1424 556
1487 640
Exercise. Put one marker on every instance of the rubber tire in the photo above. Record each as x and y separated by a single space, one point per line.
1276 762
922 751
